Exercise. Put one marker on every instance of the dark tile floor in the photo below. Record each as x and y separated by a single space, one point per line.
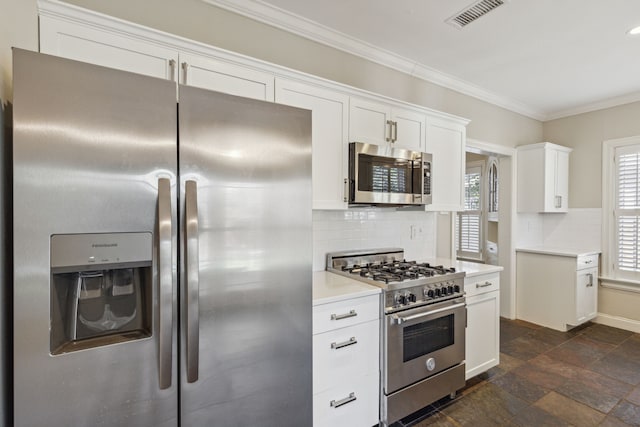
589 376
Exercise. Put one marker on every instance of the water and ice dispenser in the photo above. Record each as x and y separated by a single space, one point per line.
100 289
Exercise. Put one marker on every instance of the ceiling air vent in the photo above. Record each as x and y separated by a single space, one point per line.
474 11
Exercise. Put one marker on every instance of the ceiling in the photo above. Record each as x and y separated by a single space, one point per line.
542 58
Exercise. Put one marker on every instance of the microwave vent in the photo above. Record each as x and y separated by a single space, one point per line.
473 12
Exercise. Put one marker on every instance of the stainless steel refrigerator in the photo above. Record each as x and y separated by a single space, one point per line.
162 252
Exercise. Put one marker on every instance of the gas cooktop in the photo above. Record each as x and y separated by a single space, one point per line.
405 283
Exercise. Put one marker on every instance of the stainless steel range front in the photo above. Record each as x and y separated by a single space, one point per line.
423 327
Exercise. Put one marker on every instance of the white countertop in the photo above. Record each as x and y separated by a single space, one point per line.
569 252
476 269
330 287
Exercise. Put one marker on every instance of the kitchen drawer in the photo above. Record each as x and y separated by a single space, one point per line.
336 360
361 412
587 261
481 284
345 313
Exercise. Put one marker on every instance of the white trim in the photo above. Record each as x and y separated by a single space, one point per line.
303 27
89 18
506 255
618 322
594 106
608 244
620 284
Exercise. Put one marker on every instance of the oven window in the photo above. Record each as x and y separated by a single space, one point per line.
385 175
427 337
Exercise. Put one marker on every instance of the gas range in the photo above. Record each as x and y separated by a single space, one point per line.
406 284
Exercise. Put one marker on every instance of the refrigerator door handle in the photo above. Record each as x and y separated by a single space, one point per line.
192 280
165 275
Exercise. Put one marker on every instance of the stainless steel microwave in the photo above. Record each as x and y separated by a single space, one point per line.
384 175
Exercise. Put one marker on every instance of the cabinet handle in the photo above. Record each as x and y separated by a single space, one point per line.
590 276
389 125
185 72
350 341
172 67
558 201
395 132
339 403
351 313
346 190
486 284
589 261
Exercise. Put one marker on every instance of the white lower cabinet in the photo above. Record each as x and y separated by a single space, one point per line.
482 342
557 290
346 363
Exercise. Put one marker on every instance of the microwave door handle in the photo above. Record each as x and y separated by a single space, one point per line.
192 280
400 319
165 277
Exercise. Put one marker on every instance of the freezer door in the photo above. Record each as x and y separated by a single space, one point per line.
245 171
94 162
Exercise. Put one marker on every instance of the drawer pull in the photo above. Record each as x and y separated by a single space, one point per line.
351 341
339 403
589 261
486 284
352 313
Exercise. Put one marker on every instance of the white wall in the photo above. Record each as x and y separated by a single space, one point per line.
580 228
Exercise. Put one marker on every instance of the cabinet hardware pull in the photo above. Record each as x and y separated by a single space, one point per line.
185 72
339 403
590 276
478 285
172 66
350 341
558 201
390 125
589 261
351 313
395 132
346 190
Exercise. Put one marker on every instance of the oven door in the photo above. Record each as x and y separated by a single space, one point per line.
385 175
421 342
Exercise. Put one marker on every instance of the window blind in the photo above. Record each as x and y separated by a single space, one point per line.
627 210
468 222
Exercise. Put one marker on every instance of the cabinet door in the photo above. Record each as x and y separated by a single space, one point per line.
409 129
562 181
446 142
87 44
222 76
330 114
482 342
368 122
586 295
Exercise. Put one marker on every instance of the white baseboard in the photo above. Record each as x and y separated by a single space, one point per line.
618 322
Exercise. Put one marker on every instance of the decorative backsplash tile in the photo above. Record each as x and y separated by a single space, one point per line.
370 228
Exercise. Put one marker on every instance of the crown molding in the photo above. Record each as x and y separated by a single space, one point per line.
595 106
303 27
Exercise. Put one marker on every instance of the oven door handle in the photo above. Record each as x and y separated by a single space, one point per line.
400 320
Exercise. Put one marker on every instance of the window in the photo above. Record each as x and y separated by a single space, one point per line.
493 187
469 224
621 203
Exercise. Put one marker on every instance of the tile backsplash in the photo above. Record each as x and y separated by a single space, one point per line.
370 228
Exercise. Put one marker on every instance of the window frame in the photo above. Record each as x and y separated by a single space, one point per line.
609 268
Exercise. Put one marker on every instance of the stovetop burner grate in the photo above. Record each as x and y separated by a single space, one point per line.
397 271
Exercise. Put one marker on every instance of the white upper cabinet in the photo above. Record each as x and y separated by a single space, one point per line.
543 178
222 76
446 141
108 49
382 124
330 114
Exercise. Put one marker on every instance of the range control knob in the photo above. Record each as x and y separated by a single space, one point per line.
449 290
401 299
411 297
456 288
429 293
438 292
